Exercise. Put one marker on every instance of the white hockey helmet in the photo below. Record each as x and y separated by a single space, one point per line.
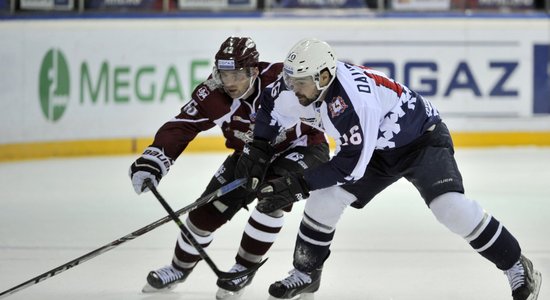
309 57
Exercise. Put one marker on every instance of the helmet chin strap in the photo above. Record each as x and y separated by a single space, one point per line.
322 90
249 90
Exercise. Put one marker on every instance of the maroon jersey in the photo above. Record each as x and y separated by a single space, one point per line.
211 106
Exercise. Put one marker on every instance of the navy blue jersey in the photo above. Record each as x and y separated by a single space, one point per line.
363 111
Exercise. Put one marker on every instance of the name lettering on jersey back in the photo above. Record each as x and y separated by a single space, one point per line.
360 79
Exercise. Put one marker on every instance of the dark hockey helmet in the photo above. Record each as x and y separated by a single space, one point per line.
237 53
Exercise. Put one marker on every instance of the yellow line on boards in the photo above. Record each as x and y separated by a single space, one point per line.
41 150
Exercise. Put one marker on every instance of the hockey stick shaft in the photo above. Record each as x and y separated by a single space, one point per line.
191 239
75 262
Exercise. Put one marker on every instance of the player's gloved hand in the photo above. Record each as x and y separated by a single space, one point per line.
281 192
254 162
152 164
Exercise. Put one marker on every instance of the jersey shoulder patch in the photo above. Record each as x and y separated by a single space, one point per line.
207 102
202 91
336 106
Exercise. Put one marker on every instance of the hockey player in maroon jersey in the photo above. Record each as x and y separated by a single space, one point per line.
383 131
229 99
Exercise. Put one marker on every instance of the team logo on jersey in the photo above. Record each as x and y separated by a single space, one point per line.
202 93
337 106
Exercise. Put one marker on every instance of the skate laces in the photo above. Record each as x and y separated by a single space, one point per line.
168 274
296 279
238 268
516 275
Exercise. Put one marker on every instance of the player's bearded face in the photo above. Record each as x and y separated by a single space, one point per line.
304 88
235 82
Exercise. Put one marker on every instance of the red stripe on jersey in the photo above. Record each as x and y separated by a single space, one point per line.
387 83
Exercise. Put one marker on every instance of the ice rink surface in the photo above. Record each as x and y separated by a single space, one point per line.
53 211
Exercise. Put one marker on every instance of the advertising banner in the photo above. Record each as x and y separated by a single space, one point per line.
47 4
126 4
217 4
442 5
322 3
494 4
512 4
541 76
86 79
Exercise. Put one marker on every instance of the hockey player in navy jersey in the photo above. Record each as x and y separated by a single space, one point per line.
229 99
383 131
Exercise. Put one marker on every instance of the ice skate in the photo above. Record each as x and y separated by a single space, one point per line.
298 285
303 296
524 280
233 289
164 279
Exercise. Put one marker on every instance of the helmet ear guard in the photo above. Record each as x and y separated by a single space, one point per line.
310 57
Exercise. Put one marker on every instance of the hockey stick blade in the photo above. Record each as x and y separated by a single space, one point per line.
75 262
224 276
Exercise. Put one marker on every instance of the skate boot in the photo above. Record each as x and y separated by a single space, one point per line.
297 284
164 279
524 280
233 289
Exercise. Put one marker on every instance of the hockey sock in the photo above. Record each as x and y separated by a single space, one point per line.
312 248
259 234
495 243
185 255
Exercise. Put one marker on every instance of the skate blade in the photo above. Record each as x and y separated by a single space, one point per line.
538 282
148 289
304 296
223 294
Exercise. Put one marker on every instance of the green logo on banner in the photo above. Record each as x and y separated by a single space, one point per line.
54 85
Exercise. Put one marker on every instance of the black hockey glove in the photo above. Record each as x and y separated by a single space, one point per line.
254 162
152 164
281 192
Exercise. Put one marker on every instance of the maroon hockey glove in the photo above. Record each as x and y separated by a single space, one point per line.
254 162
281 192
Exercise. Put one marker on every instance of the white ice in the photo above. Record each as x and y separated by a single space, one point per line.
53 211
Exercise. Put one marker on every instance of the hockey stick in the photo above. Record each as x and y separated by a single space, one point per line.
75 262
225 276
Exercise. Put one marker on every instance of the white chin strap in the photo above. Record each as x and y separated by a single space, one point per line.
322 89
321 95
250 84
